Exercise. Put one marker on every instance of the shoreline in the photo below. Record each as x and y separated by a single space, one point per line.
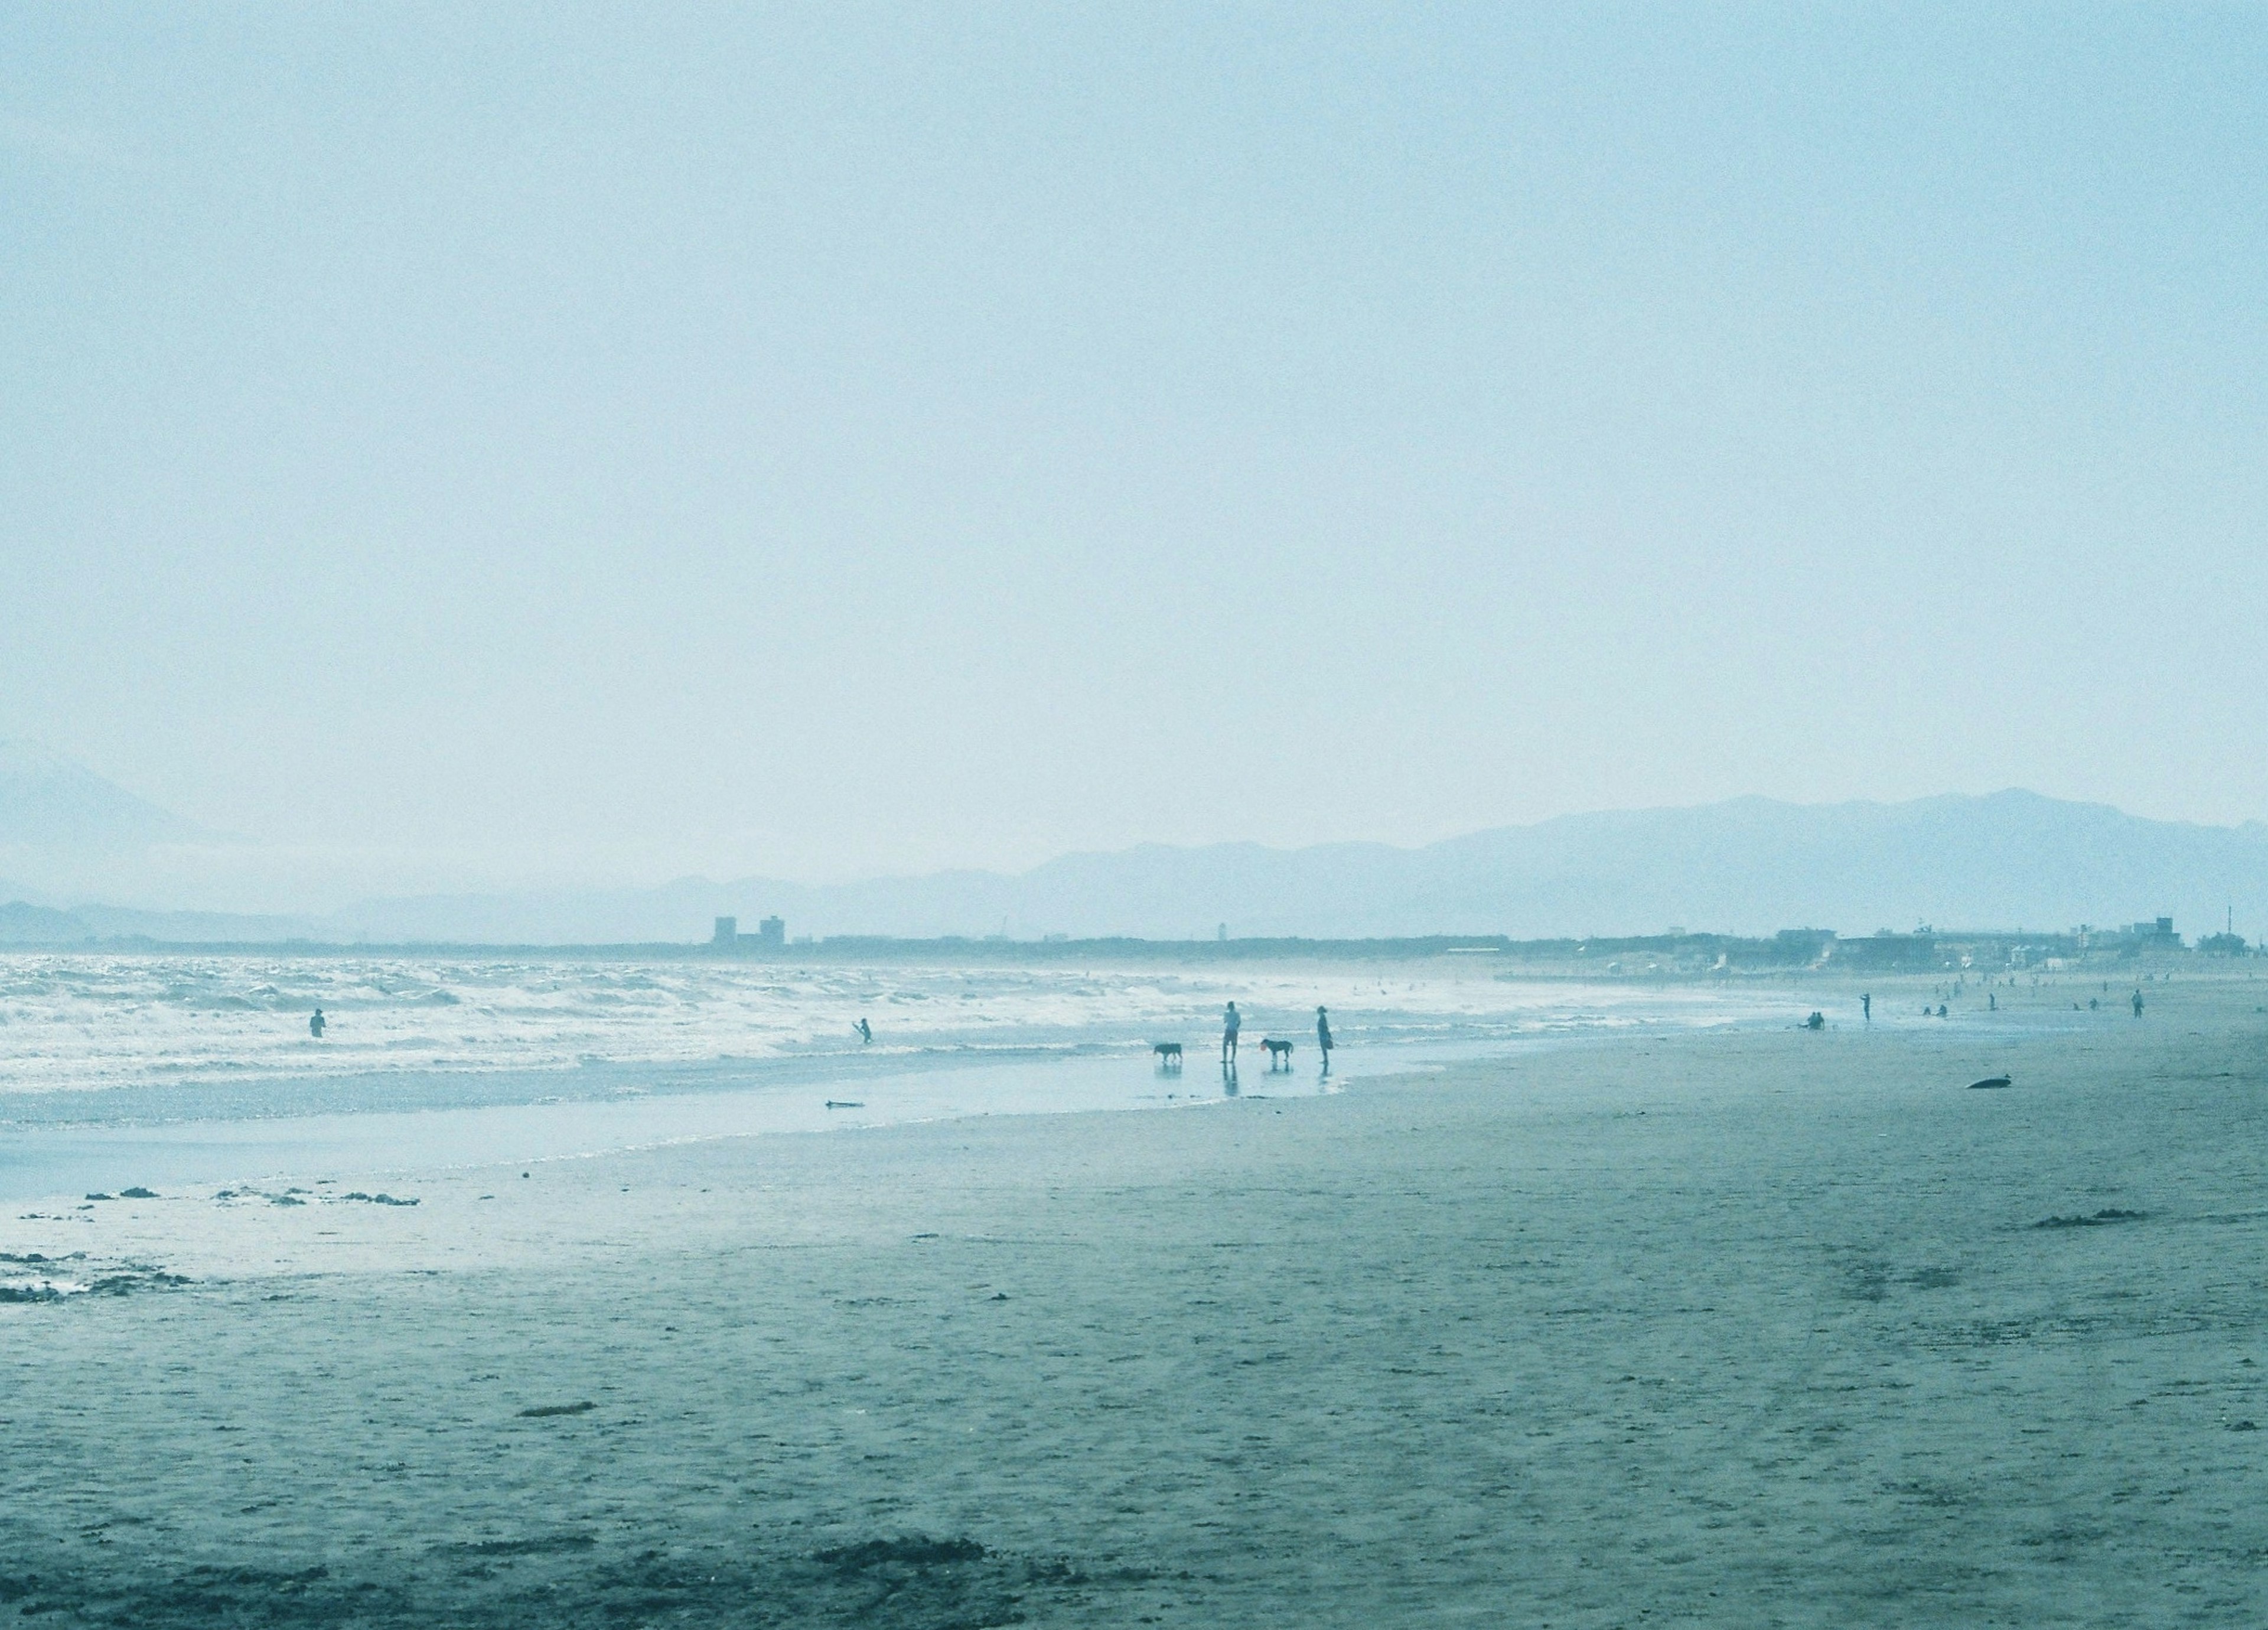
1722 1327
409 1143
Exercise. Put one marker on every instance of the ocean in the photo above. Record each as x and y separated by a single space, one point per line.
120 1070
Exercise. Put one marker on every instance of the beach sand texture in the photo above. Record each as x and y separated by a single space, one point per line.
1722 1328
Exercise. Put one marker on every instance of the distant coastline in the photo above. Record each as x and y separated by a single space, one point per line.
2015 863
1680 955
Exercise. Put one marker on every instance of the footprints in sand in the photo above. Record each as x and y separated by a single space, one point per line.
909 1580
2107 1217
918 1550
1874 1281
538 1545
1870 1280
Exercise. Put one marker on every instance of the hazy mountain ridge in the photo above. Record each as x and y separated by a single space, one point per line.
48 802
1749 865
1752 865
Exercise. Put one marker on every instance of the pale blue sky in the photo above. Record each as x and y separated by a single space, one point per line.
830 440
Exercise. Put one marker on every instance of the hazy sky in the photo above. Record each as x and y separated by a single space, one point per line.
830 440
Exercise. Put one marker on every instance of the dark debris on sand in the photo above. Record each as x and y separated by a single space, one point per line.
571 1580
135 1276
2102 1219
124 1279
919 1550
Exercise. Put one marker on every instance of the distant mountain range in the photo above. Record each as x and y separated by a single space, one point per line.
2011 860
48 802
2014 859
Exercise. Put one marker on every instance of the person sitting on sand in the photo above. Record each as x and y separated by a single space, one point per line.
1231 1022
1323 1038
315 1025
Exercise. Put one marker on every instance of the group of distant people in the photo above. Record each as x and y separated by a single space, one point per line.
1867 1006
1232 1022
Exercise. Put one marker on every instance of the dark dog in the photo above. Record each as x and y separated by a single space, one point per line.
1279 1054
1169 1054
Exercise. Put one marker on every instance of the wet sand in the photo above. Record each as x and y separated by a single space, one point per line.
1726 1328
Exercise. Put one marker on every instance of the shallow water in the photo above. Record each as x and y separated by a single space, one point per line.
70 1158
154 1071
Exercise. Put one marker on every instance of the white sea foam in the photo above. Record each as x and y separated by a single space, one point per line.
76 1022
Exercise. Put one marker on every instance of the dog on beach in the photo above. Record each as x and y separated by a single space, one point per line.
1169 1054
1279 1054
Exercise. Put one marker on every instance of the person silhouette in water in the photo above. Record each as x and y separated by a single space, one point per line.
1323 1037
865 1031
1231 1022
315 1025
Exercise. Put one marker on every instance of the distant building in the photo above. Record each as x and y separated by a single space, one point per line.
1886 952
1803 945
771 933
2160 933
728 931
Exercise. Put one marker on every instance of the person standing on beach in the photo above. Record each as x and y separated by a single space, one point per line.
1231 1022
1323 1037
316 1024
2137 1001
1866 1005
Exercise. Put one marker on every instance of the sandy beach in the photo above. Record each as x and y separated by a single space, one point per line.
1728 1327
